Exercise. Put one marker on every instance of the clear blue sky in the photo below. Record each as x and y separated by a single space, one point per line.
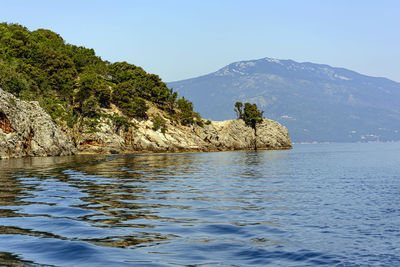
180 39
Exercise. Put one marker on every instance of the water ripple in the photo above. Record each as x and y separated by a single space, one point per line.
315 205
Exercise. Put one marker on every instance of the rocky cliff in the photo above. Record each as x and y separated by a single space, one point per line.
26 130
217 136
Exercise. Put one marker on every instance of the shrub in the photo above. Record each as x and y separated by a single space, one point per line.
158 122
90 108
122 121
186 111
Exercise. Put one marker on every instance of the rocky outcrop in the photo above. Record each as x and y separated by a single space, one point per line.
217 136
27 130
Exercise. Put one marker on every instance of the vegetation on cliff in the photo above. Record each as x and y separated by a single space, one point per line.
74 85
251 115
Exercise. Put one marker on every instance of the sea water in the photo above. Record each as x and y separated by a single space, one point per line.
324 204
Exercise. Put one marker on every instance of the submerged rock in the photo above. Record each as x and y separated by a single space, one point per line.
27 130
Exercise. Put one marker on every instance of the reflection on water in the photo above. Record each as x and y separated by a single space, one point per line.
231 208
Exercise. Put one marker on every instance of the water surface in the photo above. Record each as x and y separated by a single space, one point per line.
333 204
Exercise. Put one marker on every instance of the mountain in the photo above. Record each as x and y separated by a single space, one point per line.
315 102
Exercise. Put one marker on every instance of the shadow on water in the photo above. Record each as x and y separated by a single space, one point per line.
9 259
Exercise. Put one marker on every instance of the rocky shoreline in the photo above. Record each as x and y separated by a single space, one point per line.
27 130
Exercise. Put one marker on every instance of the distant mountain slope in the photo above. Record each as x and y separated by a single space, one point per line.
316 102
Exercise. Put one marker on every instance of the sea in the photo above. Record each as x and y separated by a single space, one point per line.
317 204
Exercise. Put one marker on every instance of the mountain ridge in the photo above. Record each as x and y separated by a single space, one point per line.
291 61
312 100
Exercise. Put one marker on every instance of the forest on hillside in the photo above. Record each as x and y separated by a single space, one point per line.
75 86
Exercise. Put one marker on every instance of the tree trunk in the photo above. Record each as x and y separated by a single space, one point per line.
255 138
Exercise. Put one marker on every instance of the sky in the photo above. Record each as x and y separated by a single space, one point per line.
180 39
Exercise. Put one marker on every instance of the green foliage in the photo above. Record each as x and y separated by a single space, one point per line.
186 111
12 102
91 124
70 118
121 121
10 79
90 107
197 119
158 122
88 84
15 86
239 109
125 97
70 80
250 114
104 96
147 86
53 106
208 122
200 123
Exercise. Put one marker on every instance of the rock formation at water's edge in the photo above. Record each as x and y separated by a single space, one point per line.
27 130
217 136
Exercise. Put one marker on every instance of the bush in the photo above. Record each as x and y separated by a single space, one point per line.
158 122
14 86
121 121
90 108
186 111
104 97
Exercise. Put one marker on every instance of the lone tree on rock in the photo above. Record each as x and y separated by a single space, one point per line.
239 109
251 116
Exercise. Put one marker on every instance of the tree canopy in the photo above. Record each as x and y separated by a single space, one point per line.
249 113
70 80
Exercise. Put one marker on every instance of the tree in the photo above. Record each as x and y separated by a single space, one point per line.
89 107
88 84
186 108
239 109
251 115
125 97
104 96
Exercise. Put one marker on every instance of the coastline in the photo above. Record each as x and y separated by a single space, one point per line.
26 130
